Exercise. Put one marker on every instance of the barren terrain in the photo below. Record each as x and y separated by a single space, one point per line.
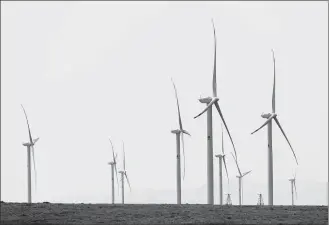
49 213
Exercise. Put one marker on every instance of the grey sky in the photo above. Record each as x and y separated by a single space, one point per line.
87 71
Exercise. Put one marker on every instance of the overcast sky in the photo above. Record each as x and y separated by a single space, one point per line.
87 71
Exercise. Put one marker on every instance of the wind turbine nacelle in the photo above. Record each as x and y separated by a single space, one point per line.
111 163
219 156
205 100
27 144
267 115
175 131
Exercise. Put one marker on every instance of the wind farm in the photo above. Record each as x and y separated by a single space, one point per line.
115 98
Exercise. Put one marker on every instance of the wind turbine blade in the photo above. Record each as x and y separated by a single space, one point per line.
246 173
28 125
208 106
236 162
179 117
112 151
183 155
273 95
35 140
226 168
124 156
277 121
127 181
266 122
35 171
214 82
116 175
185 132
222 139
221 115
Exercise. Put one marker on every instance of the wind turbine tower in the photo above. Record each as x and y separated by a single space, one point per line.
30 148
210 101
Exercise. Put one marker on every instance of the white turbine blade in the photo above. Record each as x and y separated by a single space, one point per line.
185 132
208 106
273 94
236 162
35 171
183 155
28 126
244 174
221 115
222 139
116 175
127 181
124 157
179 117
266 122
226 168
112 151
277 122
35 140
214 82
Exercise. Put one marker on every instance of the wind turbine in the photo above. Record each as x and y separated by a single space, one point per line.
124 175
30 148
179 133
113 166
269 117
222 157
210 101
293 185
240 176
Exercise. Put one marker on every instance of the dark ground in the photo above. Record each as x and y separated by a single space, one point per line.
46 213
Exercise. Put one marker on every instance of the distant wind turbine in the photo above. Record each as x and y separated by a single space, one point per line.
113 166
268 122
30 148
179 133
293 185
212 101
222 157
124 175
240 176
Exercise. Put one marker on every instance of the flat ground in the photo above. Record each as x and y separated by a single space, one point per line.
48 213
